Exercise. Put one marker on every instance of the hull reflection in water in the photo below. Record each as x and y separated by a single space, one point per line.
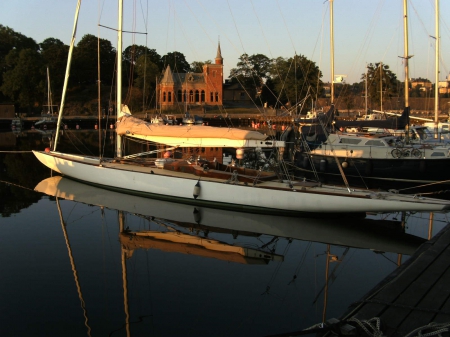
348 231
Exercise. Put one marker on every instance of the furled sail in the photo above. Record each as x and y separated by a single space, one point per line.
190 135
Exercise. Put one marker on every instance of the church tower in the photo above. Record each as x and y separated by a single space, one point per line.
214 79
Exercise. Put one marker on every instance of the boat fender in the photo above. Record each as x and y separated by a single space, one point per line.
47 149
197 190
197 216
344 164
323 165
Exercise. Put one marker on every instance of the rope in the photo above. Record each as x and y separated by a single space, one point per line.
437 329
16 151
366 324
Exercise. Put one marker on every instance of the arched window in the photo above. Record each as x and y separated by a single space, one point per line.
211 96
184 96
164 96
169 96
197 96
191 96
180 98
217 97
202 97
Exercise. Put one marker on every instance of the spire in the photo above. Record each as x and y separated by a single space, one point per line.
219 59
168 77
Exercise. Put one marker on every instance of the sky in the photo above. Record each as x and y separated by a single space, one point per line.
365 31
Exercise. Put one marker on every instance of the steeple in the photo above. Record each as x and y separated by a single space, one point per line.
168 77
219 59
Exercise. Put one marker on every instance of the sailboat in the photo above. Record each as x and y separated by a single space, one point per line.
204 183
382 158
350 231
50 119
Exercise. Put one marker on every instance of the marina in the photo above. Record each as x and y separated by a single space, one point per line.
153 196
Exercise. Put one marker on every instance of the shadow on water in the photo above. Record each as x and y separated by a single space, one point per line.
105 263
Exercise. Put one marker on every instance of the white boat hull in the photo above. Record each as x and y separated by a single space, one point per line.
264 197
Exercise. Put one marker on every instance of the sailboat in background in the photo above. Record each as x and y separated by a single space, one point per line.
381 158
50 111
201 182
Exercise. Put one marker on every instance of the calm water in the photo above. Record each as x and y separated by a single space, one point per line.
78 260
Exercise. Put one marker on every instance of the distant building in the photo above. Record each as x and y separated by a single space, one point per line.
444 86
201 89
423 84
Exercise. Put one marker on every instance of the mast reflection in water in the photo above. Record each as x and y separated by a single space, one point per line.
78 260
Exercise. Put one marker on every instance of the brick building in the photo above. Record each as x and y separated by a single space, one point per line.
199 89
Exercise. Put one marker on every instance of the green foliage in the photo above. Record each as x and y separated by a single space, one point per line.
380 78
296 78
176 61
24 81
85 61
147 72
197 66
55 54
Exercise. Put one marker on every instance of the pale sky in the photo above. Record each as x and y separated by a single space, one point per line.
365 31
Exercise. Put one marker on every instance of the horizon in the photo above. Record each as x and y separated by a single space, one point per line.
264 27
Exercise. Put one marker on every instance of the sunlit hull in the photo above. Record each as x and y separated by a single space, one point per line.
271 196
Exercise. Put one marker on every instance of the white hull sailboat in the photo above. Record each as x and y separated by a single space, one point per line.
349 231
197 183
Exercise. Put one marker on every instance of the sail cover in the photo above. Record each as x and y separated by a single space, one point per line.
131 126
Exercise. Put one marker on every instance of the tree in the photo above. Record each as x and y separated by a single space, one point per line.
11 40
147 72
253 72
55 53
85 56
296 78
132 53
197 66
380 79
24 82
176 61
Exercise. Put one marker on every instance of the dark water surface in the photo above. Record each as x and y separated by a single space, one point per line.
75 261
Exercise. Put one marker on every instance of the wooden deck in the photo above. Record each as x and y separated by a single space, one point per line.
413 296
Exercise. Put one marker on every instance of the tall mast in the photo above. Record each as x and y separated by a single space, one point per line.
332 51
436 85
119 76
365 112
66 78
381 86
406 57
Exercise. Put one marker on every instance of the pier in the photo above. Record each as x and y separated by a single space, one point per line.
414 298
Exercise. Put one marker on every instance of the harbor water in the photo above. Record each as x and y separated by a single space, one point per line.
78 260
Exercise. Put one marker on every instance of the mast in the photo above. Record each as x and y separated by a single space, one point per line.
49 93
365 112
381 86
119 76
66 78
406 56
436 85
332 51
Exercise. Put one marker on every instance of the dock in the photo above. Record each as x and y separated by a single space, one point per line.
413 300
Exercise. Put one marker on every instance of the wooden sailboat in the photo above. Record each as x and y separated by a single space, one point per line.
353 231
283 194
